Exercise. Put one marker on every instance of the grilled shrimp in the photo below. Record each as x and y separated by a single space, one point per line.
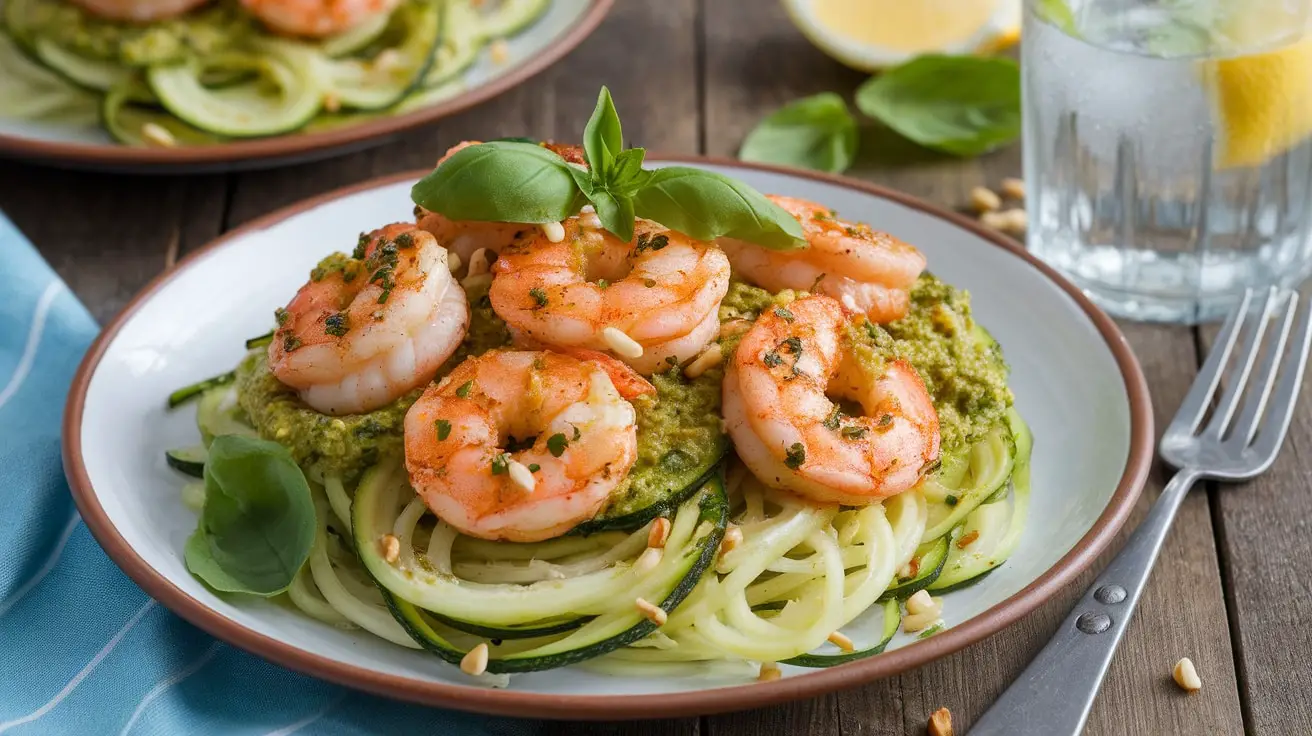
367 329
651 301
791 435
457 438
867 271
315 18
138 11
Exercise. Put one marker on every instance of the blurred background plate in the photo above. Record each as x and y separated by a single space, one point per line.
86 145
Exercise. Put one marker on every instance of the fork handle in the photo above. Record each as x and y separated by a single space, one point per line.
1055 693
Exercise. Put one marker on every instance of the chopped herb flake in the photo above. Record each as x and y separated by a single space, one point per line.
853 433
603 284
290 343
443 429
281 316
796 456
556 444
649 283
539 297
337 324
950 500
835 417
784 314
772 359
534 467
500 464
361 245
405 240
465 388
577 433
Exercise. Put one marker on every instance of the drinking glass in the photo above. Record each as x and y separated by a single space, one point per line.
1167 155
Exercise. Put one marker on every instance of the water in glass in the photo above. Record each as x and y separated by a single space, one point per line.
1167 153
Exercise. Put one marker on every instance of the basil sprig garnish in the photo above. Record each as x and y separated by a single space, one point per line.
511 181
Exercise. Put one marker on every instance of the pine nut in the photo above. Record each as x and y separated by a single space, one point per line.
475 662
913 622
734 327
452 261
983 200
994 221
842 641
940 723
733 536
391 548
499 51
660 533
521 476
920 602
1015 222
331 102
623 345
554 231
1013 188
592 222
1186 676
648 560
709 358
159 135
654 613
479 263
769 672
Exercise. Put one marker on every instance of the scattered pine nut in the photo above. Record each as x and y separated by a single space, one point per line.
554 231
159 135
391 548
1186 676
660 533
734 327
842 641
920 602
733 536
913 622
452 261
654 613
623 345
769 672
474 663
331 102
983 199
648 560
1015 222
710 357
592 222
521 476
499 51
587 209
1013 188
940 723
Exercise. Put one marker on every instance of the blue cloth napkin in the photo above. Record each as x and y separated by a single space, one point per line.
82 649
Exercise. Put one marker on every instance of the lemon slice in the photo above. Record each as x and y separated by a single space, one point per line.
875 34
1263 101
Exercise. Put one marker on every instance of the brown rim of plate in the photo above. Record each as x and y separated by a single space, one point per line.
665 705
294 145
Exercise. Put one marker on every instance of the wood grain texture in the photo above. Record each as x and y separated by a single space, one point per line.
1265 538
107 235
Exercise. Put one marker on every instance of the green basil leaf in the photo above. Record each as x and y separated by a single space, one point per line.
627 176
513 139
706 205
964 105
258 522
501 181
602 138
615 213
814 132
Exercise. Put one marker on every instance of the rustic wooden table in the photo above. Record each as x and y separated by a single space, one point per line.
1232 589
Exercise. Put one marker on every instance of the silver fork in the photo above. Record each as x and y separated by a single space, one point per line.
1054 694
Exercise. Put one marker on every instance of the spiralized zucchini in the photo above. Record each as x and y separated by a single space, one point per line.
247 82
801 573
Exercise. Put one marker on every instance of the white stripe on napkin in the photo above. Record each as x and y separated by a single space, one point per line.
82 674
167 683
292 728
33 341
40 575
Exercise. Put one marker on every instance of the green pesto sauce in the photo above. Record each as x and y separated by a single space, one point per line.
347 445
679 439
203 31
961 365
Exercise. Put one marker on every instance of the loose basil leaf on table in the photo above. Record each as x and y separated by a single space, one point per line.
964 105
258 523
706 205
501 181
814 132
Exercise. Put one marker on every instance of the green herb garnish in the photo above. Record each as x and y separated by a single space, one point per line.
795 456
443 429
556 444
814 132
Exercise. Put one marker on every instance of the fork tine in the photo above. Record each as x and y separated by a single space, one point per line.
1200 393
1264 380
1276 424
1233 392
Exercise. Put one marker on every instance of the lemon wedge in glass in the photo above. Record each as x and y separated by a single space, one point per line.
1263 99
875 34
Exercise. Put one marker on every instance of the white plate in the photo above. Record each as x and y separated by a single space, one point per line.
1075 380
562 27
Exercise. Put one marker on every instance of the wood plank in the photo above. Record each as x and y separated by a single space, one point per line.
755 62
1265 541
656 99
107 235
